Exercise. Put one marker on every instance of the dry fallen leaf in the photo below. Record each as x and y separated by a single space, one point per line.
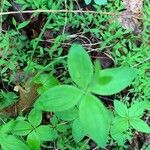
129 17
134 5
27 97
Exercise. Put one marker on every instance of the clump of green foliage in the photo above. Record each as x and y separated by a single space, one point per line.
77 112
77 104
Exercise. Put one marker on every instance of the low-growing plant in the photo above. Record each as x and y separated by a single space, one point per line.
127 119
91 118
31 128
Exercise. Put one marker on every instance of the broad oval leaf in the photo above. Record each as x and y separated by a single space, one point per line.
120 124
78 132
33 141
121 108
120 138
68 115
46 133
140 125
10 142
137 109
7 127
87 2
100 2
58 98
80 66
21 128
62 127
35 117
112 81
94 118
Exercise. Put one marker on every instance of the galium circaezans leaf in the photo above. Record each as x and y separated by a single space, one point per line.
78 132
68 115
10 142
140 125
113 80
94 118
80 66
121 108
58 98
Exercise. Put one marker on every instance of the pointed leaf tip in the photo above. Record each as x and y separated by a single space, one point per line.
80 66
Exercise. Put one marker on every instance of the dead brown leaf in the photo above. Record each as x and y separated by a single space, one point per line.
27 95
129 17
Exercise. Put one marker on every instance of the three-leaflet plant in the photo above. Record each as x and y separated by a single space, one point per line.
90 113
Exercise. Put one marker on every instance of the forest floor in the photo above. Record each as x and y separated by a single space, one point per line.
35 37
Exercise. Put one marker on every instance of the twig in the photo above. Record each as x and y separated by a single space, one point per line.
1 17
65 17
141 62
69 11
57 11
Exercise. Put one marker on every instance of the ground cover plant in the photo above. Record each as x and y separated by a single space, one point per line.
74 74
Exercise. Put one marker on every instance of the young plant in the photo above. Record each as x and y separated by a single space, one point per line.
31 128
127 119
93 116
9 141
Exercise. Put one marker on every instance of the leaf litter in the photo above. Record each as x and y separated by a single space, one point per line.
129 18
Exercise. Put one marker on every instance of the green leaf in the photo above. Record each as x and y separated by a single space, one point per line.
14 21
100 2
54 120
140 125
35 117
137 109
21 128
94 119
121 108
77 131
120 125
47 81
113 80
59 98
80 66
61 127
46 133
87 2
7 127
33 141
68 115
7 99
22 25
97 68
36 3
120 138
10 142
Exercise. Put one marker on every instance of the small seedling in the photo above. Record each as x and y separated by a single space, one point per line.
127 119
